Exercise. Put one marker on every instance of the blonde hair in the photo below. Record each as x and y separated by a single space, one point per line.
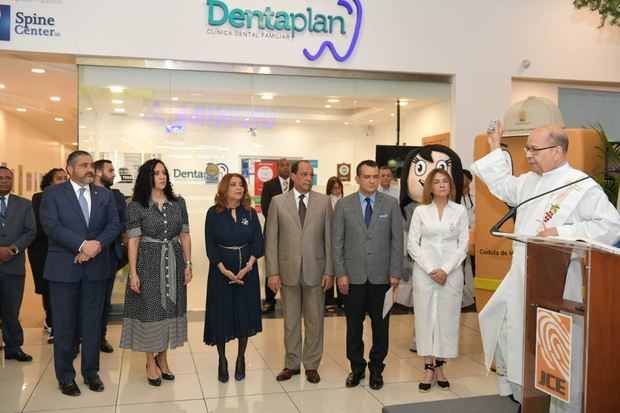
427 196
221 202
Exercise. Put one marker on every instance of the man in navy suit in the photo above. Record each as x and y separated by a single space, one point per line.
81 222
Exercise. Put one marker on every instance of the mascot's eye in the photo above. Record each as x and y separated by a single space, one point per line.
442 165
420 168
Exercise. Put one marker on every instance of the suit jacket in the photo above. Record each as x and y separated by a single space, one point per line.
271 188
63 223
18 229
368 254
121 207
290 248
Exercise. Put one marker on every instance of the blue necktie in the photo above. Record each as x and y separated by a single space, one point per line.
84 205
368 213
2 207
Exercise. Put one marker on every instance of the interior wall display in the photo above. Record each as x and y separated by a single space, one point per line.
343 172
264 171
315 165
493 254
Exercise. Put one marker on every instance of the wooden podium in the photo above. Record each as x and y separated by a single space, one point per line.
548 261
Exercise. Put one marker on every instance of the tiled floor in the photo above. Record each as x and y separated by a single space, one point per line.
30 387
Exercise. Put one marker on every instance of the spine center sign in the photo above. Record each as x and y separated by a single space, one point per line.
270 24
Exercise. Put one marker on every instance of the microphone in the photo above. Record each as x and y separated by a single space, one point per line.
495 230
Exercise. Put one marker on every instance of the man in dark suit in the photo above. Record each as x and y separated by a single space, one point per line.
367 242
299 262
81 222
104 176
17 231
276 186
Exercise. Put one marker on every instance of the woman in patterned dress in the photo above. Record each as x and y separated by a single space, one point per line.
234 242
160 267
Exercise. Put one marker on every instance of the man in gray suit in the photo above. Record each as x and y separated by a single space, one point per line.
367 243
17 231
299 261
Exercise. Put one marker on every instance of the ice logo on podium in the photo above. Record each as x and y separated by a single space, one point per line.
553 353
5 22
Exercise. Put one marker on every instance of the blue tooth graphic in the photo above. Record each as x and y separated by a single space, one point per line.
329 45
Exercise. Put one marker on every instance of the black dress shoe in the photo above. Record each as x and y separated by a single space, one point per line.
19 356
94 383
106 347
376 381
222 371
153 382
240 369
268 308
69 388
165 376
354 378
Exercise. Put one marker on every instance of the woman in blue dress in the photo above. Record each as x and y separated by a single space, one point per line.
234 242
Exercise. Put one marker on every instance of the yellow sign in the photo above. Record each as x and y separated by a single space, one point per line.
553 353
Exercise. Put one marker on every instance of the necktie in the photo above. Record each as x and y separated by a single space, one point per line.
302 210
284 186
368 213
84 205
2 207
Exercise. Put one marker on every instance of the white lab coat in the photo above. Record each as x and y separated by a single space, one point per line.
433 244
583 210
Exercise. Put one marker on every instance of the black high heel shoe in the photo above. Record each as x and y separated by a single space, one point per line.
240 369
164 376
153 382
222 371
425 387
443 385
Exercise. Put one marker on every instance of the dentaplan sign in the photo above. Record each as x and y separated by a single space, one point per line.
268 23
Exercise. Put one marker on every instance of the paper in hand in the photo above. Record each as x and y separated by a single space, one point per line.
388 301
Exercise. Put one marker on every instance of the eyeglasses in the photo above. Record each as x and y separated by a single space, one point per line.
534 151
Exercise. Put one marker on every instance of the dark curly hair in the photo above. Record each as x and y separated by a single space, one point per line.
146 180
49 177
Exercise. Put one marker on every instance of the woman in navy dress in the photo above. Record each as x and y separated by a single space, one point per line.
234 242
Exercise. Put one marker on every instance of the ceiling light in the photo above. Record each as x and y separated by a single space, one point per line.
297 121
21 109
119 110
193 116
89 108
391 114
55 98
195 94
328 106
74 143
175 98
371 121
82 127
142 115
117 101
403 103
346 123
59 119
37 70
117 89
267 96
2 86
333 100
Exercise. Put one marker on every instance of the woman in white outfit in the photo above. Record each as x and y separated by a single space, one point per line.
438 244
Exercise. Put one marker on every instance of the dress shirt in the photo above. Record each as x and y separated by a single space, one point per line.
363 197
296 193
282 181
76 190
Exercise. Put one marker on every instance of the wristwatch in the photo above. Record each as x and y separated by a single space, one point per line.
188 264
14 250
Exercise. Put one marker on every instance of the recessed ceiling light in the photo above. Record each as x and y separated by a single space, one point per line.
142 115
82 127
2 86
371 121
37 70
117 89
391 114
328 106
174 98
21 109
333 100
117 101
119 110
247 119
59 119
346 123
89 108
266 96
74 143
403 103
297 121
55 98
195 94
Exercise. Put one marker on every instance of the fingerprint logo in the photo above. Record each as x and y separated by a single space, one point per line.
554 342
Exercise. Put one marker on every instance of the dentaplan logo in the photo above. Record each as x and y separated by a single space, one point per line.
5 22
272 24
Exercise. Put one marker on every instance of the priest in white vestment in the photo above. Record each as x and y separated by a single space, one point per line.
580 210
